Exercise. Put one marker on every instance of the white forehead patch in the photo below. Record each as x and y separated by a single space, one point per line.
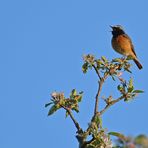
119 26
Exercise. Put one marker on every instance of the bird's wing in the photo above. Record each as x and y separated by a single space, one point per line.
130 41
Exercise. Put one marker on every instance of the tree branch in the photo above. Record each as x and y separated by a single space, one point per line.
97 96
111 103
79 130
97 71
99 90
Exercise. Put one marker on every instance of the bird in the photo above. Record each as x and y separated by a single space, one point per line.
122 44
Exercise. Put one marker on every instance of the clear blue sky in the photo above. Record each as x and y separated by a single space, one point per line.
41 44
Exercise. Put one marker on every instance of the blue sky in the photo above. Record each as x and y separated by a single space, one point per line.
41 44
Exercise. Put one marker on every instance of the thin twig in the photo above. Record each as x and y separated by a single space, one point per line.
98 93
97 71
73 119
97 96
110 104
99 90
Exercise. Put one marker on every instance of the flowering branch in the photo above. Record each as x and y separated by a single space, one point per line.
103 69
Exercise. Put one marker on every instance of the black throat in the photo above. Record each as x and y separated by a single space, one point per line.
116 33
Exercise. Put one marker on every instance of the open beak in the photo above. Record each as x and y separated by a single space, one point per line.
111 27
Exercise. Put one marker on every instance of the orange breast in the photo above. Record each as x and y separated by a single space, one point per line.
122 45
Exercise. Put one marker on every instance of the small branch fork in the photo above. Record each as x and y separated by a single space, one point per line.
97 71
101 81
110 104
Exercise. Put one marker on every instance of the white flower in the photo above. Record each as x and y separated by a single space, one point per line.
54 94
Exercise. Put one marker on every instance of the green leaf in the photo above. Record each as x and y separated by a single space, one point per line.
81 92
74 92
133 95
48 104
79 99
99 121
127 69
129 58
130 89
138 91
130 84
141 140
53 109
104 59
76 109
98 62
117 60
127 99
119 135
120 88
67 114
85 67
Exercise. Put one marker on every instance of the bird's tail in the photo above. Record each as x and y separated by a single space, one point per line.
138 64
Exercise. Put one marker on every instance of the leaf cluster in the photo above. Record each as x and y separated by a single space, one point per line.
112 68
127 89
59 101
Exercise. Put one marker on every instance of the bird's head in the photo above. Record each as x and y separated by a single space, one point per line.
117 30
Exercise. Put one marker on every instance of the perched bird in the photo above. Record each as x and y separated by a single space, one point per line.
122 44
